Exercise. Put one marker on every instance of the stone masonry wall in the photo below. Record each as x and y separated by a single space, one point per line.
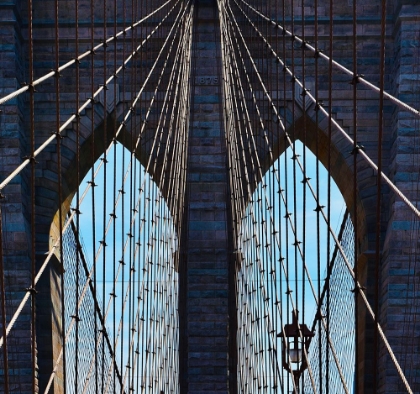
14 204
400 271
206 362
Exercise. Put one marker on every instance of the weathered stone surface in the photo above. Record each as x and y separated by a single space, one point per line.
205 331
206 358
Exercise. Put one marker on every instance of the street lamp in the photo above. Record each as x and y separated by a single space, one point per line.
295 339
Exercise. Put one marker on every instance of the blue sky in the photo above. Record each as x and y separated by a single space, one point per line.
142 180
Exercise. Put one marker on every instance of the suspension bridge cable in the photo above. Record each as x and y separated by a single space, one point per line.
323 214
317 210
3 310
325 319
127 242
233 145
269 148
281 216
360 151
91 185
354 190
77 59
336 361
237 177
304 159
273 267
121 192
290 143
104 197
359 289
59 181
84 106
31 291
368 306
153 220
113 293
269 267
288 214
411 319
294 38
329 159
88 285
379 193
77 208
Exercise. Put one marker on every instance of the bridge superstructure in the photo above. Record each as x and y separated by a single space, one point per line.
186 117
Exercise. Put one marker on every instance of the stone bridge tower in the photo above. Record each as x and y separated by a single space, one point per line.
207 260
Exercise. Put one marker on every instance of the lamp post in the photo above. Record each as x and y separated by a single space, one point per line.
295 339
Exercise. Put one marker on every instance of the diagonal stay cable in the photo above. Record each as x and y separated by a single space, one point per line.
342 131
244 110
57 243
336 124
259 169
157 202
77 59
184 75
299 247
85 105
358 286
305 44
87 285
230 95
142 188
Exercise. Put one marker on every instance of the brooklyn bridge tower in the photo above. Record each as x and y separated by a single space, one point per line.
201 196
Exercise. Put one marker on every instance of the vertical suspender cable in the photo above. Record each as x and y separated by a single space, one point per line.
140 256
276 197
264 237
294 157
126 79
139 278
355 219
125 339
114 193
59 173
378 195
318 213
32 182
329 146
78 249
304 180
92 181
266 244
3 311
104 197
413 316
271 272
286 181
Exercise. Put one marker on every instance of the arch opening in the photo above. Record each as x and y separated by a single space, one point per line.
120 281
289 262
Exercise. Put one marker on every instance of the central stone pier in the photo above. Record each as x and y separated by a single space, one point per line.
206 363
